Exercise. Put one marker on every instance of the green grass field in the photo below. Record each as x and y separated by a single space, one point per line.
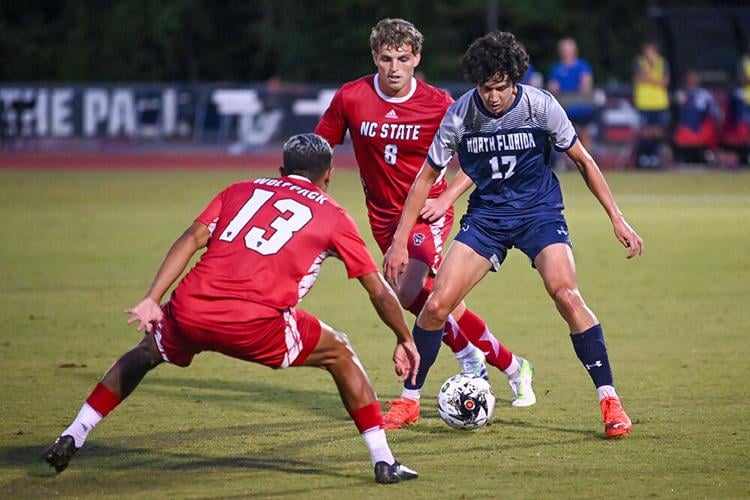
79 247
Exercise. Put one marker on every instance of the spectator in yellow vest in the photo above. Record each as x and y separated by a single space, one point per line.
651 78
743 74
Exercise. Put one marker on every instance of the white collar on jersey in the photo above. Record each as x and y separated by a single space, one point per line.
300 177
395 100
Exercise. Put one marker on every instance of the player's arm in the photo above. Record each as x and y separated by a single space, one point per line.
587 83
397 256
599 187
332 125
382 297
147 311
435 208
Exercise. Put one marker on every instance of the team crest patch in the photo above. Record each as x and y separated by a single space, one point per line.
418 238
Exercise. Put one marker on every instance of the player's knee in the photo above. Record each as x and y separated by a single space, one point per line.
147 352
435 310
340 351
567 298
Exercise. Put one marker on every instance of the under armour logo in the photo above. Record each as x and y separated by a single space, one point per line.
562 231
598 364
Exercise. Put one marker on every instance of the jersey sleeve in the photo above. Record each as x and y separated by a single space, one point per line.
348 245
445 143
210 214
332 125
559 126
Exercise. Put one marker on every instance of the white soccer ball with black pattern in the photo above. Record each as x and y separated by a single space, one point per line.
466 401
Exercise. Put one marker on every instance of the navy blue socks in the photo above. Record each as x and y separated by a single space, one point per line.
592 351
428 344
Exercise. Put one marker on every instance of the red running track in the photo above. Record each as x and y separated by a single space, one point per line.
151 160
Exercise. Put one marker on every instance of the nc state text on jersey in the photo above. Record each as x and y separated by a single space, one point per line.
394 131
500 142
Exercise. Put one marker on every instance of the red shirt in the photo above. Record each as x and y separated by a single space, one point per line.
269 238
391 137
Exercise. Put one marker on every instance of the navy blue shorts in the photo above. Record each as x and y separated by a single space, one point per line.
492 238
660 118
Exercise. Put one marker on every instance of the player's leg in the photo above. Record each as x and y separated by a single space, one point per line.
493 250
471 340
425 254
459 272
414 288
518 370
334 353
557 269
119 381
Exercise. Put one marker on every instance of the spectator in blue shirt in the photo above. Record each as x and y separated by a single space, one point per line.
572 82
532 77
696 137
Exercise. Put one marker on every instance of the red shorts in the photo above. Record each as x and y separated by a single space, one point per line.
425 241
278 342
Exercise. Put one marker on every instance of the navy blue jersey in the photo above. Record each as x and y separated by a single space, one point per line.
506 156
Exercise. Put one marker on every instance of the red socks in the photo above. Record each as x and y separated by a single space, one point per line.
102 400
471 328
368 417
475 329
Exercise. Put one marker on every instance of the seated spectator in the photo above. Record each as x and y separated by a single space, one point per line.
743 73
650 81
736 134
572 82
532 77
696 136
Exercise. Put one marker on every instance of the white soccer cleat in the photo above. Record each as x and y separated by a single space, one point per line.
474 365
522 391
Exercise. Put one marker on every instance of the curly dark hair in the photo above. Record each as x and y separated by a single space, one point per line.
497 53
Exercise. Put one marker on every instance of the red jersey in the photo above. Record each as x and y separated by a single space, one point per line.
391 137
268 240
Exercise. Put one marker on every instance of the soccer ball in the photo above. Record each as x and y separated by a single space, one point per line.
466 401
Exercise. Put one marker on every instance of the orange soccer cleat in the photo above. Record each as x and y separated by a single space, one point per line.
616 421
404 411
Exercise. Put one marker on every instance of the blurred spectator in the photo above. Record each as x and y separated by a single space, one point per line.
743 74
572 82
533 77
736 135
650 81
696 136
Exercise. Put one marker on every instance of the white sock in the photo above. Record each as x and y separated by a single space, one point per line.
413 394
377 445
85 421
606 391
514 368
466 353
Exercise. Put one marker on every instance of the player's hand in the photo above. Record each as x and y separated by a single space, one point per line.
434 208
406 361
147 313
395 260
628 237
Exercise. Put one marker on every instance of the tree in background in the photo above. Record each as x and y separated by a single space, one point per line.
325 41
